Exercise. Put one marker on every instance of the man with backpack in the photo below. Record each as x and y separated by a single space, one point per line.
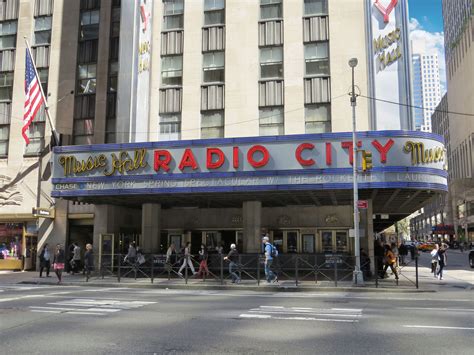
270 253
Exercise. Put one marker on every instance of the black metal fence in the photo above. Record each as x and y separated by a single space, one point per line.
289 268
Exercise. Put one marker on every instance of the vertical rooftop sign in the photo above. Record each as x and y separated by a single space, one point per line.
389 64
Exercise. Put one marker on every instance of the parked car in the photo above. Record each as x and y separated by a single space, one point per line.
471 258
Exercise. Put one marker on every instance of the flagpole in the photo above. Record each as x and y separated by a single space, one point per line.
46 106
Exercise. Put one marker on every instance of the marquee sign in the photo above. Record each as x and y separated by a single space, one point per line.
247 163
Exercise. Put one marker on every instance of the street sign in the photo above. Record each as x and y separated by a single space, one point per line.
362 204
43 212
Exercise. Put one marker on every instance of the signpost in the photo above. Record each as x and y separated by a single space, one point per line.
363 204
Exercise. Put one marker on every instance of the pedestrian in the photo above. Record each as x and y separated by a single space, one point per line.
187 260
413 250
403 251
395 252
378 253
131 253
442 260
203 257
365 263
88 260
70 256
171 254
390 261
76 258
45 260
232 258
269 253
434 259
58 262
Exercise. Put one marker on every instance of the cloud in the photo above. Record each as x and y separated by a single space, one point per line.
424 42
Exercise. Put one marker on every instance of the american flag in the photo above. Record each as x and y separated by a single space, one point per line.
33 96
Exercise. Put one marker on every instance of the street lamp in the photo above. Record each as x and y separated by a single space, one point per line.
358 278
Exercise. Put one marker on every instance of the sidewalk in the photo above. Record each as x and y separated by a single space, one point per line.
453 280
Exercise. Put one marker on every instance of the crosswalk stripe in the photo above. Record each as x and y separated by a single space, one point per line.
44 311
309 313
437 327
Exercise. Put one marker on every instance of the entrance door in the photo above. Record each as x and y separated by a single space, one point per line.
308 243
334 241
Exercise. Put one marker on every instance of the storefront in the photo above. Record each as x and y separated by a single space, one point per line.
18 245
298 189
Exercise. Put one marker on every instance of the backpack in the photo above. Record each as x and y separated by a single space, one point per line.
274 251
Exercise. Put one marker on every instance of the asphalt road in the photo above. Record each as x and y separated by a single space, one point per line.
70 319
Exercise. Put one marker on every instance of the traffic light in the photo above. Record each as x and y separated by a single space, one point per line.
366 160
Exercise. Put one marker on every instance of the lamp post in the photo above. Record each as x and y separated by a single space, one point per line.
358 278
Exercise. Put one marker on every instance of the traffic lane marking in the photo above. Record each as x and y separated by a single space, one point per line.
308 313
262 316
437 327
438 309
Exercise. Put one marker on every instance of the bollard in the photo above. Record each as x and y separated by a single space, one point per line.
416 271
185 271
258 270
152 267
222 269
118 270
296 271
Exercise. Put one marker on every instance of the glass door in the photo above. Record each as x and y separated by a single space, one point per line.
326 242
334 241
308 243
342 245
291 242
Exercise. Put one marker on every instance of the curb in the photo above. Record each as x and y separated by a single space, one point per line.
281 288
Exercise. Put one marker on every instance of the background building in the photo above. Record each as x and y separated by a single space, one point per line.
426 89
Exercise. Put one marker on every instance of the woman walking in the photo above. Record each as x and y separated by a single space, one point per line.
58 262
442 260
88 261
187 260
390 261
434 259
203 256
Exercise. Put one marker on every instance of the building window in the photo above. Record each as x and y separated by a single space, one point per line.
42 30
214 13
213 67
86 83
271 9
271 121
36 134
271 63
89 25
317 118
5 113
172 70
6 86
8 34
316 56
173 14
212 124
315 7
170 127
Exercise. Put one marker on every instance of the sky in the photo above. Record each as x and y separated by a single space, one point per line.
426 31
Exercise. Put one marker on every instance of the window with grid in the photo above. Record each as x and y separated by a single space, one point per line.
86 79
271 121
271 9
173 14
271 63
212 124
84 111
214 12
5 114
8 31
170 127
172 70
315 7
316 56
213 67
317 118
89 25
36 130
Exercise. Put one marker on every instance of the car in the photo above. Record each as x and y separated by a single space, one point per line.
471 258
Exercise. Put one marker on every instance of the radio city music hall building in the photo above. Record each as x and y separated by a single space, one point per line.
216 121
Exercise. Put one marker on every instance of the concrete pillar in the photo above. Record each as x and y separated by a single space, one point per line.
150 236
252 221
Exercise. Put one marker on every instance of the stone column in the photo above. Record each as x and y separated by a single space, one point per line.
252 221
150 237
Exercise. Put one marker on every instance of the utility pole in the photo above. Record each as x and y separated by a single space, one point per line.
358 278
